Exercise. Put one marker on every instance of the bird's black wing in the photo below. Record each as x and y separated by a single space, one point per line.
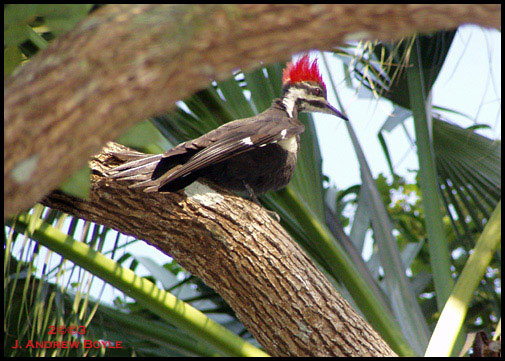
223 144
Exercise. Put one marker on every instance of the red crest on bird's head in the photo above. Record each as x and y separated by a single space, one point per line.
302 70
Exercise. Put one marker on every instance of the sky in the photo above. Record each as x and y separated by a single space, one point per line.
470 82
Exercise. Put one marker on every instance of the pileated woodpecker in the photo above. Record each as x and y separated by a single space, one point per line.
251 155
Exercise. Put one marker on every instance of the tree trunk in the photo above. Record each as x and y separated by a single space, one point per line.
237 249
125 63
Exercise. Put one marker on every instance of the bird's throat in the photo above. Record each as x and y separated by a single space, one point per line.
290 144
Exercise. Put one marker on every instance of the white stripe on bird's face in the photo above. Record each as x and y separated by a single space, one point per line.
290 98
298 98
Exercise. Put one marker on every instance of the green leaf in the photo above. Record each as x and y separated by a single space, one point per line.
12 58
78 184
145 137
158 301
61 18
450 323
421 109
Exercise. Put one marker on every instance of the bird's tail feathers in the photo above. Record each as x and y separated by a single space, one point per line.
138 167
153 173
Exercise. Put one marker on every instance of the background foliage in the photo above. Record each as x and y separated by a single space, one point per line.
400 289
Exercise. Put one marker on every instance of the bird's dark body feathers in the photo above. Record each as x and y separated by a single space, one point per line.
245 152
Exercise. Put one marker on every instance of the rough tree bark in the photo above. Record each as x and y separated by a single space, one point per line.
125 63
236 248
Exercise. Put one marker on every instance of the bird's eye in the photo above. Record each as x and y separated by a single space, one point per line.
317 92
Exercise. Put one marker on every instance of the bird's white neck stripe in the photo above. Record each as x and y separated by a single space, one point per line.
289 101
289 104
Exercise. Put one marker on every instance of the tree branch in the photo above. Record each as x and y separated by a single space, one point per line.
125 63
237 249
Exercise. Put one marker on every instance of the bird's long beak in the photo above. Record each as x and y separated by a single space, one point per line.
330 109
